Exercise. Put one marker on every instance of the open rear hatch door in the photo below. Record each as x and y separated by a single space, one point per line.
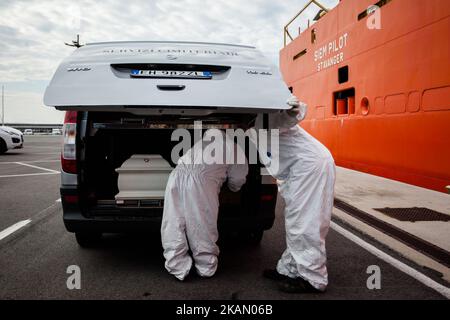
167 78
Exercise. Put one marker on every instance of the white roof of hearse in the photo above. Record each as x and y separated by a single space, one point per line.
173 42
101 76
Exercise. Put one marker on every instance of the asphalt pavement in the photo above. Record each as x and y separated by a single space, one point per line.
35 258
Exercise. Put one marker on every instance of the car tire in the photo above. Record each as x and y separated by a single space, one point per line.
88 239
3 146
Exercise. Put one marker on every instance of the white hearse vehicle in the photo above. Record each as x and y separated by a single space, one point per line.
10 138
123 100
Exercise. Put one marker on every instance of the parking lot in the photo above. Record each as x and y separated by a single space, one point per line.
35 255
29 179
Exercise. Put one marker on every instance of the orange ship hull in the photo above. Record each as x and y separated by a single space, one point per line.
379 98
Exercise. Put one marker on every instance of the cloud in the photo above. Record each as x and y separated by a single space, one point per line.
33 32
25 106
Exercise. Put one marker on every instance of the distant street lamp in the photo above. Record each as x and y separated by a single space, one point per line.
3 105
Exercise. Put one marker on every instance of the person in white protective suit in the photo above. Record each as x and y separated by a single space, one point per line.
306 174
191 207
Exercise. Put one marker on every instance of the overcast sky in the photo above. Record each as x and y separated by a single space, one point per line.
32 35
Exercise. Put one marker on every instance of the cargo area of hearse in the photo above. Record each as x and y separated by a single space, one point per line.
123 102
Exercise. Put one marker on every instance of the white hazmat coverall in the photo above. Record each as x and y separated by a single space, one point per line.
306 176
191 208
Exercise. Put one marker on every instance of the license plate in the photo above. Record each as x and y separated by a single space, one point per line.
171 74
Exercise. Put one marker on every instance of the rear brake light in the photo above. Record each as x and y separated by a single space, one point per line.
69 150
70 199
69 166
267 197
71 117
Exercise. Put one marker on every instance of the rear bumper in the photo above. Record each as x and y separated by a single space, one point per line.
76 222
117 221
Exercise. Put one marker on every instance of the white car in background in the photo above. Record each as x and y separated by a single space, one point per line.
28 132
10 138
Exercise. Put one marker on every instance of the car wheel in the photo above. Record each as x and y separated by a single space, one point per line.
88 239
3 147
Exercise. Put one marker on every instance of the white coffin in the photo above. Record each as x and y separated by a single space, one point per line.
143 177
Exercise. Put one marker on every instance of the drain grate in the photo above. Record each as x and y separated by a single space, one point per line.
414 214
411 240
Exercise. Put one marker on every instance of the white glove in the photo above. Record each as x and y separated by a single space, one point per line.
298 109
